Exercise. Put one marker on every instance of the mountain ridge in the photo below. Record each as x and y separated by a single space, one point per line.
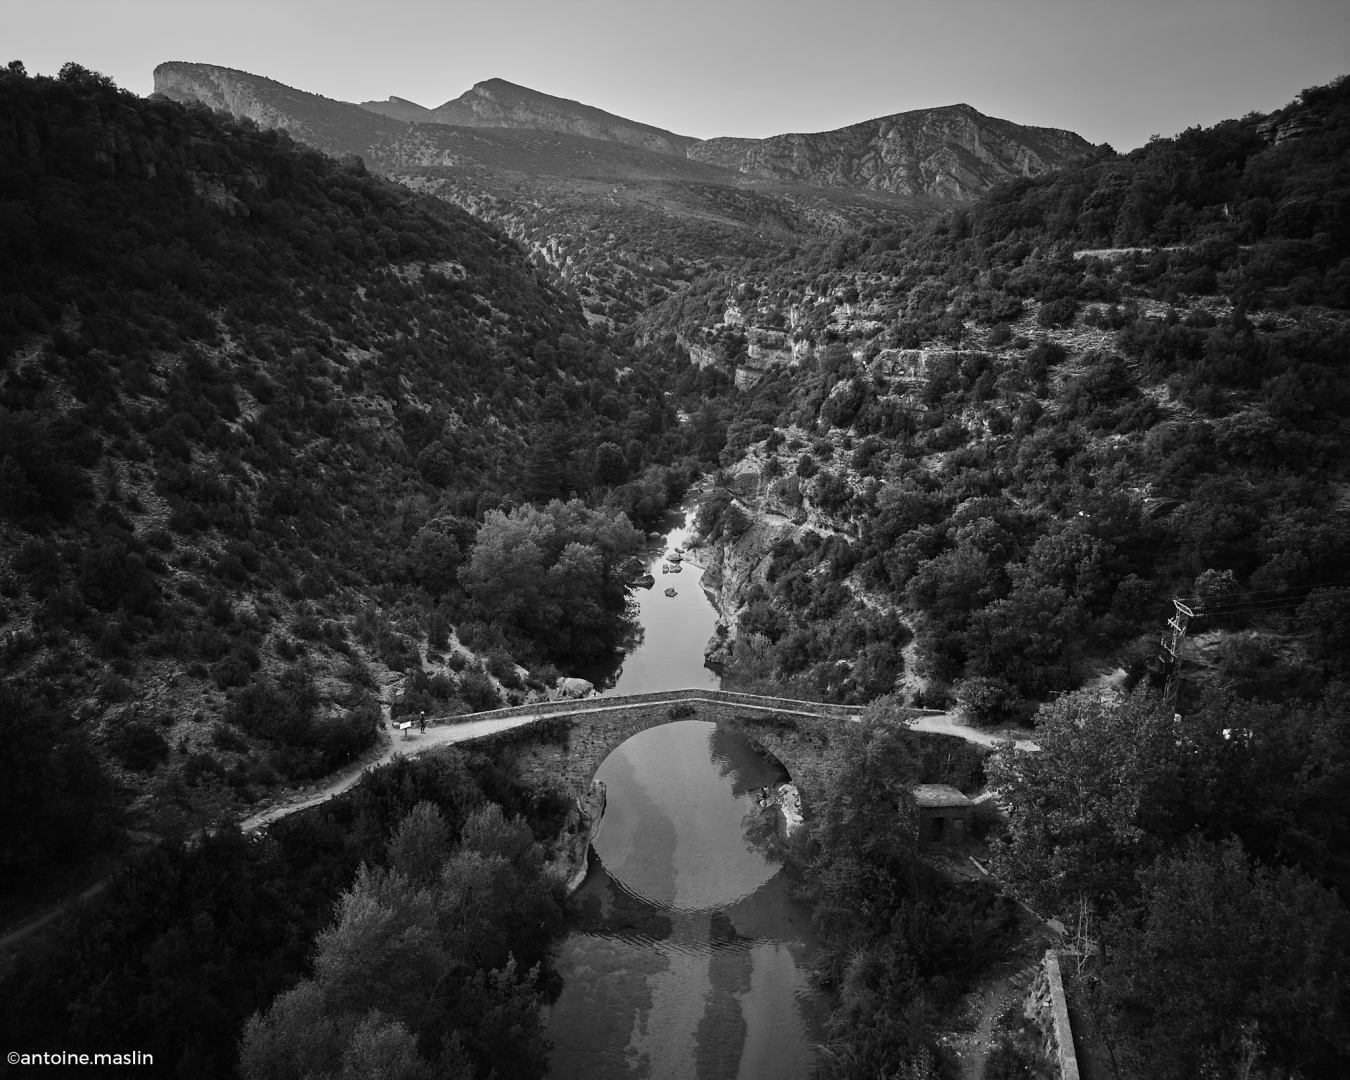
953 151
497 103
950 153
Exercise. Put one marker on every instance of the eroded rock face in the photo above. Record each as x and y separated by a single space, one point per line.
732 566
583 822
336 127
955 152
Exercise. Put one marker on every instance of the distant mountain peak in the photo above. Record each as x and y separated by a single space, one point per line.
499 103
399 109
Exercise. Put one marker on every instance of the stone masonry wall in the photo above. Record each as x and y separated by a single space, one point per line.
1047 1006
570 748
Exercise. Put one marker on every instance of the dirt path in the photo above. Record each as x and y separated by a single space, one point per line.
972 1048
392 746
950 724
987 1003
449 734
16 936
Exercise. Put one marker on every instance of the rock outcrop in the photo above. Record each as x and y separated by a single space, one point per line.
954 152
574 845
574 688
398 108
496 103
731 567
336 127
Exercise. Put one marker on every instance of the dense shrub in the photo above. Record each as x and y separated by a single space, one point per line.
478 691
138 746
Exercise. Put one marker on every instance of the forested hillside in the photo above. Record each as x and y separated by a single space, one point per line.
1023 427
257 405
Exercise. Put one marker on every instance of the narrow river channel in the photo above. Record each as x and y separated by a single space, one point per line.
675 629
686 957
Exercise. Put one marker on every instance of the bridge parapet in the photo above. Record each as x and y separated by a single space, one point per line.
599 703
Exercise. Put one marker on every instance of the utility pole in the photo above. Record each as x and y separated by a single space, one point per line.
1170 655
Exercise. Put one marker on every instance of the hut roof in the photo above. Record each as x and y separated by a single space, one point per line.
931 795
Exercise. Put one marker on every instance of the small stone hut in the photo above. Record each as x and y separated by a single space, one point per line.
944 814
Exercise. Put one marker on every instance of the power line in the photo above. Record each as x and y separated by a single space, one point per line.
1251 605
1232 597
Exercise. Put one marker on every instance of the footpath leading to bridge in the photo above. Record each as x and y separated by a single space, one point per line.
484 724
480 725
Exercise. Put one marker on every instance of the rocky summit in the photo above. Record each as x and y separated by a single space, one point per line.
955 152
496 103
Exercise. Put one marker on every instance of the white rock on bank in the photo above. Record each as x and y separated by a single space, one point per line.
574 688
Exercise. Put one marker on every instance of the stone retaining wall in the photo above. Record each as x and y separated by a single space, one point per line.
1047 1006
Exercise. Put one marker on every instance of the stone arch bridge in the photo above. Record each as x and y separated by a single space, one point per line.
568 740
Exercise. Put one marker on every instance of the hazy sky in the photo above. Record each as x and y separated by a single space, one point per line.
1112 70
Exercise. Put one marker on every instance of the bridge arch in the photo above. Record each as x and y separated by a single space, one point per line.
603 739
565 742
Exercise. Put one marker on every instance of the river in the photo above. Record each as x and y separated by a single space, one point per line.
686 956
674 629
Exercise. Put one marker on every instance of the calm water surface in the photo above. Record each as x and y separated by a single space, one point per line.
687 956
675 629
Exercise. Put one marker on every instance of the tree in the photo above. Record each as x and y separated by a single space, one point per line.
294 1040
1221 952
863 840
1082 810
1326 615
423 954
437 551
381 1049
421 844
552 574
611 467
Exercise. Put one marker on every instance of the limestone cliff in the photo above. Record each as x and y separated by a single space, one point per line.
572 848
954 152
336 127
732 566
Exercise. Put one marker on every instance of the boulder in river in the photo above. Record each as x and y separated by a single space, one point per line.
632 568
671 592
646 581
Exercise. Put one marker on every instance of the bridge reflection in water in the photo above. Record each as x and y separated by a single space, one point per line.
686 957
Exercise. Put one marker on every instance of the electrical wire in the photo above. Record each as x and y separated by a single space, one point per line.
1288 601
1232 597
1231 604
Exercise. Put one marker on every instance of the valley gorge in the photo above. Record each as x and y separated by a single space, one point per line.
319 419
